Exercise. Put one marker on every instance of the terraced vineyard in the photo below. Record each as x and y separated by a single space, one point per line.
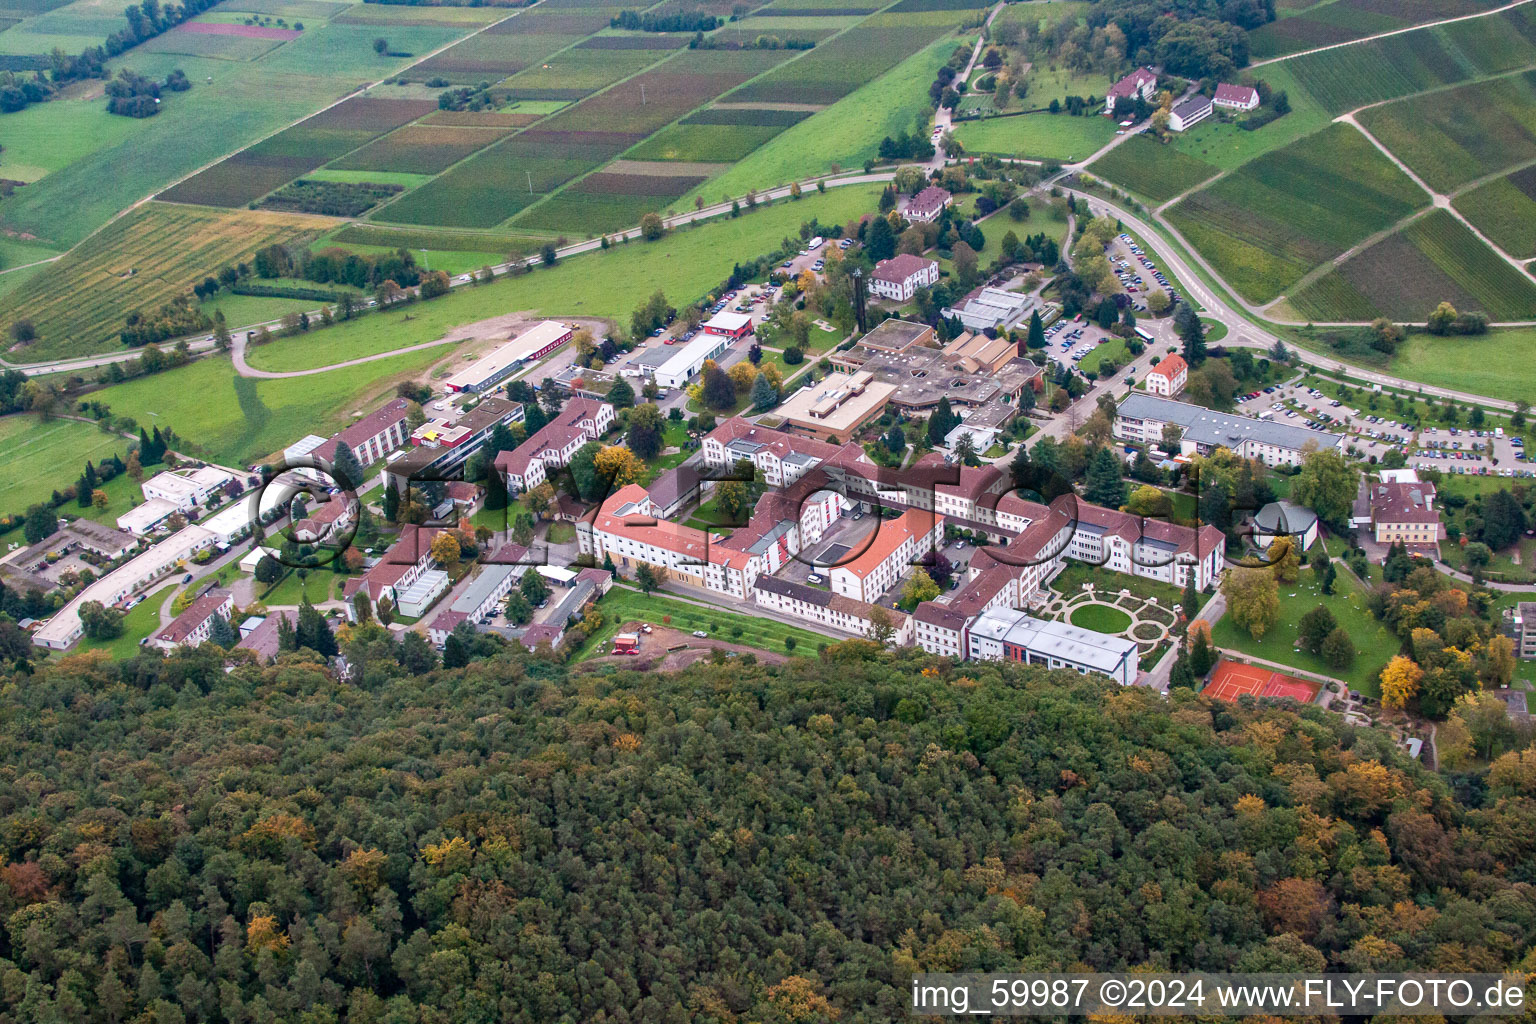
1504 209
1457 135
139 262
1272 220
1377 70
1408 273
1152 169
1339 21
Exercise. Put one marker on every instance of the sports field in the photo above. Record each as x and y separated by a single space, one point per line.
1268 223
1037 136
1231 679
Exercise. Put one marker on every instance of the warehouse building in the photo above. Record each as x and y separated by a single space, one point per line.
500 363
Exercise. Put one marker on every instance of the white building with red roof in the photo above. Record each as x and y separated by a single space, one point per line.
1140 82
779 458
194 625
927 204
401 566
1168 377
886 553
901 275
1236 97
553 445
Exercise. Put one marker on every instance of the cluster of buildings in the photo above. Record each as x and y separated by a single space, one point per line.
805 522
1142 83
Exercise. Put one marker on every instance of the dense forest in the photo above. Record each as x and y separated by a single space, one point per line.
511 842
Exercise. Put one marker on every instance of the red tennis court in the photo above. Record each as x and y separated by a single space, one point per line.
1231 679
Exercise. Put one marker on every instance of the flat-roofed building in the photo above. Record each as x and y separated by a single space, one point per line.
501 362
895 335
1141 418
993 308
734 326
442 446
687 362
142 519
835 407
1008 634
186 489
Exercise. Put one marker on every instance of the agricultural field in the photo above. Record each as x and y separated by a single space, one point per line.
1267 224
419 149
91 165
1504 209
44 456
576 73
836 68
845 134
1339 21
219 39
1405 275
708 143
1152 169
1378 70
1057 137
139 262
685 264
317 140
1455 136
514 174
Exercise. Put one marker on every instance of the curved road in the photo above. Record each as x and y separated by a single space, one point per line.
1243 332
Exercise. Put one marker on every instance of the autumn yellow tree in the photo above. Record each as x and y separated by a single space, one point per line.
1253 599
619 465
1400 681
1285 560
445 549
742 375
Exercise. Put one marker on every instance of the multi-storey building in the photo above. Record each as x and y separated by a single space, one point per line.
552 445
195 625
1141 419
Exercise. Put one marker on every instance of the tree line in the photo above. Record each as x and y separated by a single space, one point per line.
508 840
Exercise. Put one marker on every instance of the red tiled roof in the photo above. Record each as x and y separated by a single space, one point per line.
374 423
900 267
197 613
1235 93
1169 367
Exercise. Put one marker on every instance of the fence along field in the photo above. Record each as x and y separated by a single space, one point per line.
1504 209
1278 216
1406 274
1377 70
1152 169
252 173
139 262
1339 21
1455 136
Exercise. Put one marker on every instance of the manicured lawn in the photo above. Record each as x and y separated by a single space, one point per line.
1497 364
622 605
1374 643
1039 136
1113 349
1101 619
41 457
561 533
139 622
1108 584
319 585
605 283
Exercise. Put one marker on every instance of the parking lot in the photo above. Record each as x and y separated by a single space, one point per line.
1454 450
1136 271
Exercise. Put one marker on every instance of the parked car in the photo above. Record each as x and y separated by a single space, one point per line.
700 632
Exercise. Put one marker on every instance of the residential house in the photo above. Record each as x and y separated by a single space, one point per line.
898 277
926 205
195 625
1236 97
1168 377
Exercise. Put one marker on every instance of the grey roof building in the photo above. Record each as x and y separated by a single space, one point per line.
1012 635
1142 418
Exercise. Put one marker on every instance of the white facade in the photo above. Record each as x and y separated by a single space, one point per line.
185 490
686 362
897 279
